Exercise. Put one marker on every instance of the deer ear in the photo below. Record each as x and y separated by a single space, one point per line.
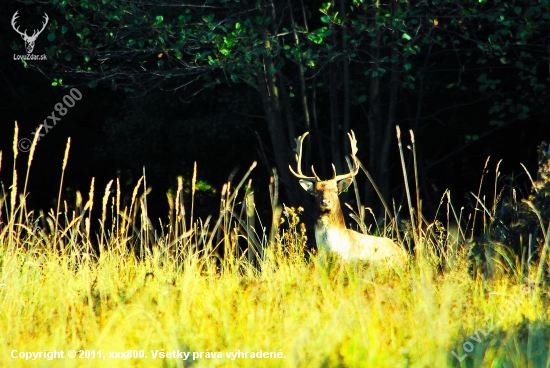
343 185
307 185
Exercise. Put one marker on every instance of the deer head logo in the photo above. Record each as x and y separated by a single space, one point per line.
29 40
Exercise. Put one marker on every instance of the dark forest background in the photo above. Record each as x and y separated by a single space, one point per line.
226 83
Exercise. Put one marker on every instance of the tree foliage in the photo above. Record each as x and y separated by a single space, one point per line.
317 65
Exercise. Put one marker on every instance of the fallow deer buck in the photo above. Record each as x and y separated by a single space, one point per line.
331 233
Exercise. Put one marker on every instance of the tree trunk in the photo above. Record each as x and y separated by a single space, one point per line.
281 149
345 69
380 129
291 128
303 90
334 115
389 129
374 123
320 146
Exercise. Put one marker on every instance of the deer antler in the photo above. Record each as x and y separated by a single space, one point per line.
13 19
24 34
355 168
36 33
299 141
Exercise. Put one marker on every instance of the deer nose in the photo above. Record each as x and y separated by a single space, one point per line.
325 202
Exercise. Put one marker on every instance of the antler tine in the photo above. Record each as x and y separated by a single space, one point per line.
298 151
353 143
333 172
44 24
316 176
355 168
299 143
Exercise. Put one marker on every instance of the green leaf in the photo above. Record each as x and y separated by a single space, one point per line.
362 98
64 29
325 19
406 36
51 37
408 66
159 19
92 84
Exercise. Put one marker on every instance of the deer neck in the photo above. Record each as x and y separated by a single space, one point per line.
333 218
330 230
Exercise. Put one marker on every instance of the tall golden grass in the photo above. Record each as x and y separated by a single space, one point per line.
230 285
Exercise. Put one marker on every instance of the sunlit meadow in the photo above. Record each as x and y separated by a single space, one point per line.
231 291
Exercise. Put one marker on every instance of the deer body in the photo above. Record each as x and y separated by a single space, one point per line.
352 245
331 233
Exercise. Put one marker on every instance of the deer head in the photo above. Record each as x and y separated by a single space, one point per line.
326 191
29 40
